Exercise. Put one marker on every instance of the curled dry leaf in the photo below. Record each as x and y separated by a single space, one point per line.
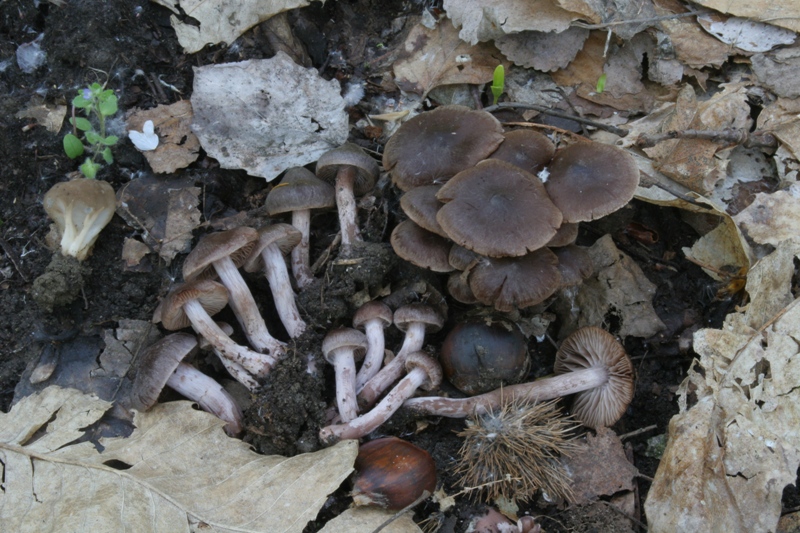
176 145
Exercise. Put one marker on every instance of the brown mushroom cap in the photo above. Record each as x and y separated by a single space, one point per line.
298 190
593 347
213 296
344 338
589 180
434 146
458 288
156 365
284 236
527 149
420 247
421 206
352 155
373 310
574 263
460 258
432 368
497 210
516 282
236 243
566 235
418 313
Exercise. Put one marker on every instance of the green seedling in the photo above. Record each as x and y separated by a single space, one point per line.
98 104
498 83
601 83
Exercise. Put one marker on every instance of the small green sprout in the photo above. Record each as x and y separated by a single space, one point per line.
498 83
97 103
601 83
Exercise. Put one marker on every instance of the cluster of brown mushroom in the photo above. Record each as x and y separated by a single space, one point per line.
500 209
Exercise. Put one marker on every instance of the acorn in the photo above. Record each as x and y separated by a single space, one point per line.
482 356
392 473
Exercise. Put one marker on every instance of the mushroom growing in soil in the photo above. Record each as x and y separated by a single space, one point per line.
421 247
341 348
273 243
80 208
423 372
193 304
354 173
527 149
415 320
299 192
373 317
162 364
590 364
221 254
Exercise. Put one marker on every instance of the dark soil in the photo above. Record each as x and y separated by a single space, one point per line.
86 44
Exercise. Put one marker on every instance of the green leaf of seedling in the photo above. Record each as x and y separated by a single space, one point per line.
81 123
601 84
108 106
80 102
107 156
111 140
73 146
498 83
93 137
89 168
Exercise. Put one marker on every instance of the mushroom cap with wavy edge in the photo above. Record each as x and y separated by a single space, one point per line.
567 234
527 149
574 263
431 367
589 180
212 295
509 283
421 206
592 347
237 243
373 310
284 236
458 288
348 339
424 314
460 258
299 189
497 210
432 147
352 155
421 247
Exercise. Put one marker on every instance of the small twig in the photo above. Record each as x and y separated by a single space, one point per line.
637 432
731 137
317 266
553 113
604 25
424 496
12 256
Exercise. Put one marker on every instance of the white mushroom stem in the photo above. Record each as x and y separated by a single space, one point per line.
376 345
193 384
535 391
301 269
386 376
258 364
237 371
282 292
346 206
368 422
344 367
245 308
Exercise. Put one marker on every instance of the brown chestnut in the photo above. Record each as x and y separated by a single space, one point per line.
392 473
479 357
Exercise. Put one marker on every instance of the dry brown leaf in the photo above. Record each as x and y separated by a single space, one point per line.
730 455
221 20
782 117
599 468
779 70
784 13
133 251
744 34
772 218
691 44
434 57
177 147
624 89
543 51
723 249
49 116
367 520
177 470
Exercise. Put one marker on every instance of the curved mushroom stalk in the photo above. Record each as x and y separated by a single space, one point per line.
341 347
373 317
193 384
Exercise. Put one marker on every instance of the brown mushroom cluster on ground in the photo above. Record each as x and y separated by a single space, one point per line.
509 198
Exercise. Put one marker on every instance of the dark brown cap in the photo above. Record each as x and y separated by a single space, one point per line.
527 149
156 365
236 243
213 296
418 313
434 146
344 339
421 206
373 310
516 282
574 263
420 247
351 155
298 190
566 235
497 210
284 236
432 368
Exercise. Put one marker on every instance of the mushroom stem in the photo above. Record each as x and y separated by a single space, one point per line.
193 384
368 422
282 292
344 367
257 363
245 308
346 205
414 339
237 371
535 391
376 344
301 268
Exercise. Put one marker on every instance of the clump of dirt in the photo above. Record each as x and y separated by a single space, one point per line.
60 284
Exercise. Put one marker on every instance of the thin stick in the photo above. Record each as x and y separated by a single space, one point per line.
637 432
636 21
731 137
552 112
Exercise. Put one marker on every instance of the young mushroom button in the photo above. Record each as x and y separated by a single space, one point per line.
274 242
221 254
192 304
299 192
354 173
373 317
341 347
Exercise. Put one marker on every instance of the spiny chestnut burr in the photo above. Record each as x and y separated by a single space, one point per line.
392 473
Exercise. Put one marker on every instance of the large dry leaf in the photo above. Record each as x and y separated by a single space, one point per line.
691 45
746 34
771 218
782 118
267 115
730 455
778 70
434 57
784 13
221 20
543 51
368 519
177 147
177 471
